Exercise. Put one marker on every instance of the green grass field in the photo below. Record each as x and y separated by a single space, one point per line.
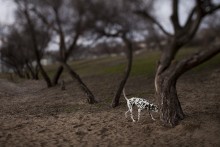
143 64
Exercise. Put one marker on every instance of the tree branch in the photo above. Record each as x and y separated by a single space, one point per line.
174 16
72 46
60 32
44 20
190 18
214 9
192 25
90 97
195 60
78 31
153 20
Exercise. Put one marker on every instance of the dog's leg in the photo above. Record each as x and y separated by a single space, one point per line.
139 113
151 116
130 109
126 113
132 117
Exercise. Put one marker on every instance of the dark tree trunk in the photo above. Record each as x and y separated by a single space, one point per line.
171 111
36 76
165 84
57 75
168 71
91 99
116 99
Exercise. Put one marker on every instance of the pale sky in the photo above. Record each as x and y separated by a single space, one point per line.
163 12
7 8
6 11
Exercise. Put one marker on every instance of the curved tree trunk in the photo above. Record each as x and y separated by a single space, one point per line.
91 99
170 108
165 84
57 75
168 71
115 101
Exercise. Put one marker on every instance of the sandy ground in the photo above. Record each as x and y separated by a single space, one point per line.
32 115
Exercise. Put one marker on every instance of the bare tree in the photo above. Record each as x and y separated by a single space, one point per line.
114 23
17 54
129 45
23 9
68 28
129 55
168 72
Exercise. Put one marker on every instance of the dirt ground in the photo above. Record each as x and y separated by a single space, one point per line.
32 115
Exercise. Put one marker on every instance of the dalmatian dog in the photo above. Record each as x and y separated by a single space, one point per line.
141 105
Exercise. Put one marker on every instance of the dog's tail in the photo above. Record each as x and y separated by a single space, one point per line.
124 94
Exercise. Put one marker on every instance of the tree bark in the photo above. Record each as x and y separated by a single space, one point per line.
90 97
170 108
116 99
165 84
